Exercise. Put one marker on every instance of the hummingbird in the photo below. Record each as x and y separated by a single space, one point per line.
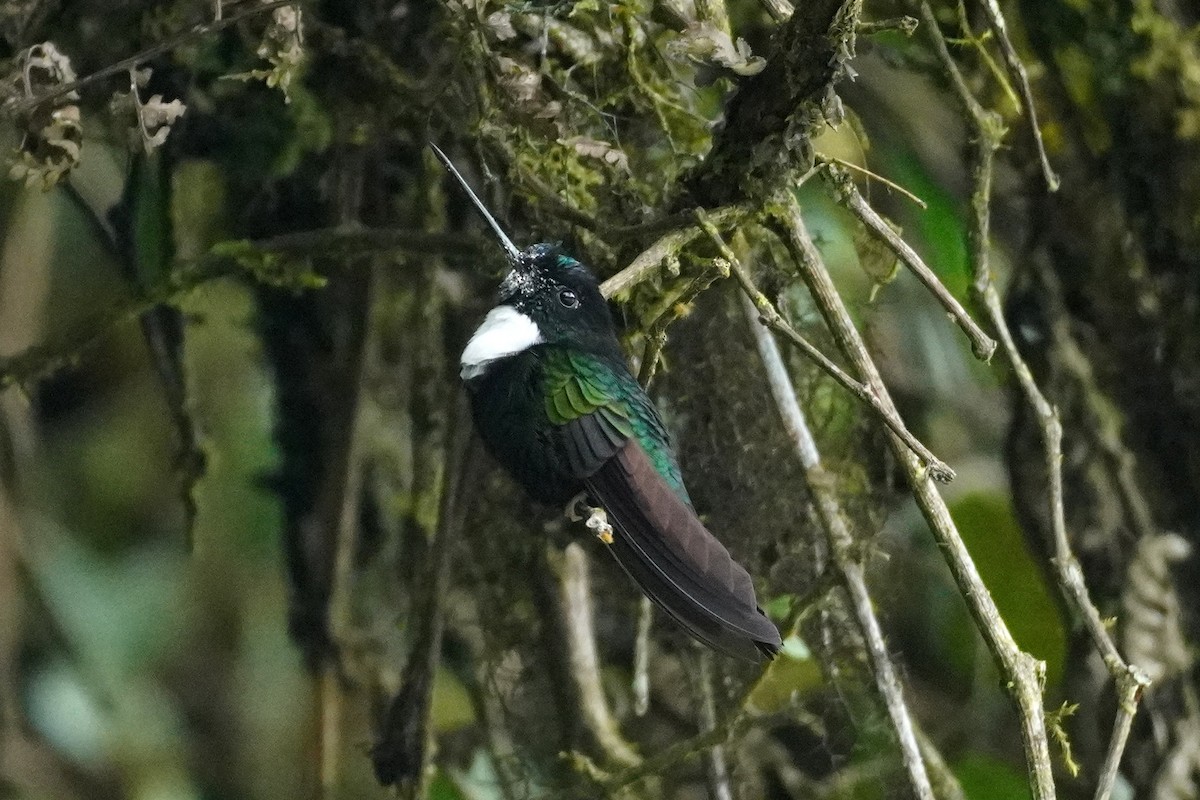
555 404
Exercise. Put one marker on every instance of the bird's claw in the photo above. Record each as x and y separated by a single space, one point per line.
598 521
594 518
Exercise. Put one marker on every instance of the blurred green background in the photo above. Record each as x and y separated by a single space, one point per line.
144 647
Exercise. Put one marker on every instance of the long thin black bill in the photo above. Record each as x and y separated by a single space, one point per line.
509 248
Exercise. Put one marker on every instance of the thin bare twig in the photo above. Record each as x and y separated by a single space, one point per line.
890 184
641 658
982 345
1130 681
841 548
165 46
715 765
576 604
770 317
1023 675
1016 69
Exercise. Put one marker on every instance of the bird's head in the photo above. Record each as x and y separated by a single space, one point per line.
557 298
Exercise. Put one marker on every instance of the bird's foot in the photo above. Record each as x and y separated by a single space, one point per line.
598 521
572 510
594 518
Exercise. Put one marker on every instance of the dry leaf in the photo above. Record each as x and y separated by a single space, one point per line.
704 42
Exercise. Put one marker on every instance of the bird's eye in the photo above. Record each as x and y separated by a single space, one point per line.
568 298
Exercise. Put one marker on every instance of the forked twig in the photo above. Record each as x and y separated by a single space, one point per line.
1022 674
1016 69
982 345
770 317
841 548
1129 679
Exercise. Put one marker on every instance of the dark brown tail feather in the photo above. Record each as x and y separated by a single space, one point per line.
668 552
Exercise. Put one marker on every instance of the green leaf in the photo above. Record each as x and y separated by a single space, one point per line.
984 777
1017 583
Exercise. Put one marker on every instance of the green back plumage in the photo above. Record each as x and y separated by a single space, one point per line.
577 385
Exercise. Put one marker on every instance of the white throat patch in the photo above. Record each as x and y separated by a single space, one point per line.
504 332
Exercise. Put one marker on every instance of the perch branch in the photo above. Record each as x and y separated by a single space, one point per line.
1130 681
982 345
769 316
842 551
667 246
1023 675
641 658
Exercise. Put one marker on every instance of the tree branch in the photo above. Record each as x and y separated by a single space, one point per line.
716 766
1016 70
841 548
1023 675
988 132
576 604
771 318
982 345
668 246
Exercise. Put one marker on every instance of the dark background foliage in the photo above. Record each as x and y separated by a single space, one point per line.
248 550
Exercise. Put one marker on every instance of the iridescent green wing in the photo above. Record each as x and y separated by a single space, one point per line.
594 408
